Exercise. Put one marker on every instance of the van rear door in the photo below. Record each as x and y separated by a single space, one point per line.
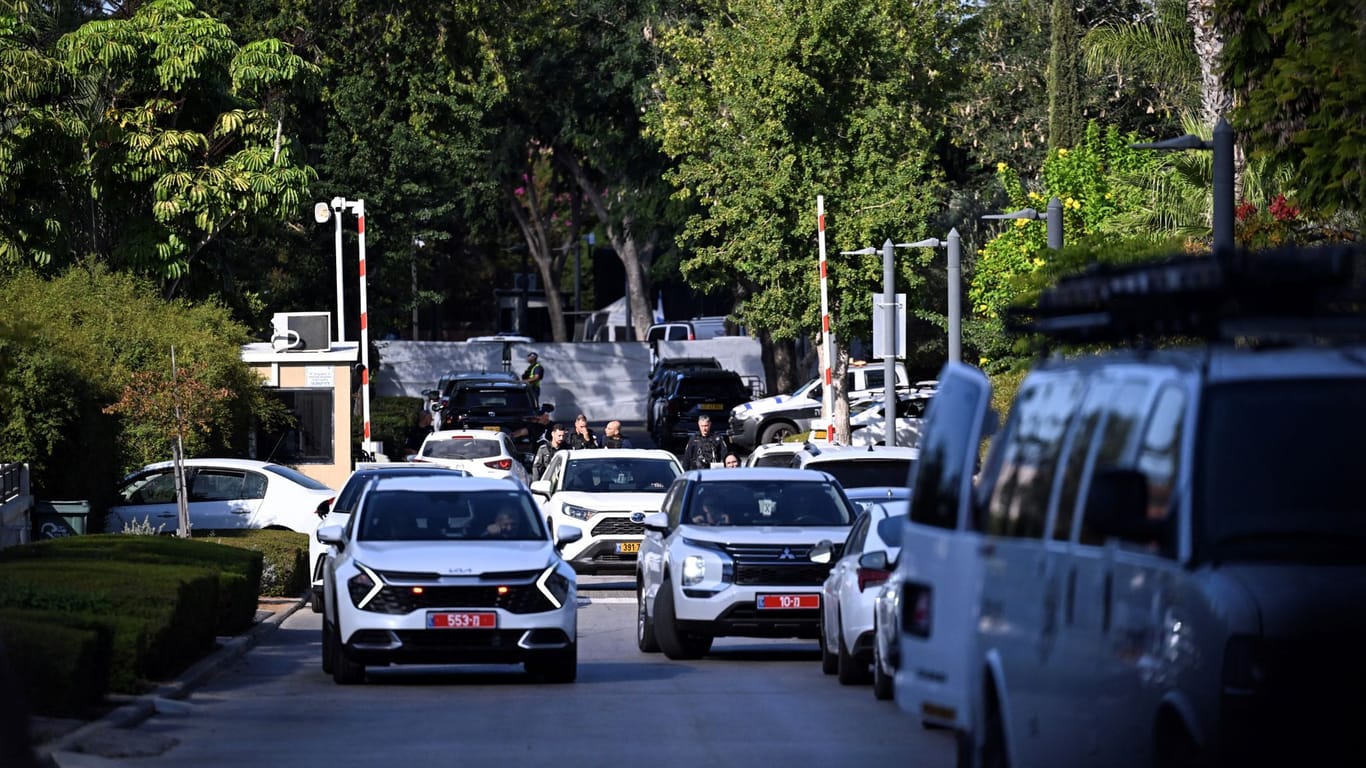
939 566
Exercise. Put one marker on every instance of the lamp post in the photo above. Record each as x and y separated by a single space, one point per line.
954 244
889 307
1053 215
1222 146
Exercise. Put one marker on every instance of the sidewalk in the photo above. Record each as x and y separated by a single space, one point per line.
72 743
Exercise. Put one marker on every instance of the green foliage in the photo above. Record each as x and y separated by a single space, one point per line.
89 332
284 569
769 104
1064 78
1016 263
390 420
142 138
1297 68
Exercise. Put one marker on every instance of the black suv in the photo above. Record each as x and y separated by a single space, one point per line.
500 406
693 393
662 380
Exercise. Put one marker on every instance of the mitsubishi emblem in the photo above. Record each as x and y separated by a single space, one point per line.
787 554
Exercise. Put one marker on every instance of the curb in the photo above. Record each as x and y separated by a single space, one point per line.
144 705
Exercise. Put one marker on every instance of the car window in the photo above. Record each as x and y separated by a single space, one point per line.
619 476
868 473
853 545
939 472
776 459
678 333
768 503
889 528
449 515
1079 453
1043 409
1114 445
673 502
1159 454
1277 471
217 485
296 476
461 448
151 488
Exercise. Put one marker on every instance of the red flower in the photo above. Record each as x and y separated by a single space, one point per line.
1245 211
1282 210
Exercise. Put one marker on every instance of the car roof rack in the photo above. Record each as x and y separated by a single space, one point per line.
1284 294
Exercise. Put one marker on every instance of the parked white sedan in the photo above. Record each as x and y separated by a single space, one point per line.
482 453
846 634
607 491
224 494
440 569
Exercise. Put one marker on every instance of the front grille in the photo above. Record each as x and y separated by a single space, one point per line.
520 598
618 526
778 564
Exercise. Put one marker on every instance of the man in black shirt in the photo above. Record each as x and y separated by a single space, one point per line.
704 448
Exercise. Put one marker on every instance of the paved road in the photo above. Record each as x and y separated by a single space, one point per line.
749 703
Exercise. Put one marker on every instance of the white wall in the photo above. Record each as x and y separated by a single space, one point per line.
605 380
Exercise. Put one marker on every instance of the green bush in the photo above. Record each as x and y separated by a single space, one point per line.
126 636
240 568
390 420
284 555
65 669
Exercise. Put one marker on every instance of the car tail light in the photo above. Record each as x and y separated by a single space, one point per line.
871 577
916 615
499 464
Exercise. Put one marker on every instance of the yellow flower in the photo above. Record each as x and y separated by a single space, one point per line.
1062 152
1001 167
981 362
1038 262
1021 222
1109 195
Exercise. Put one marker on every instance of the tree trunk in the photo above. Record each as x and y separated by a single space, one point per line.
1216 99
838 373
548 264
636 253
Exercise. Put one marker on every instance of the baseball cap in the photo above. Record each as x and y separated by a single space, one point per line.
531 355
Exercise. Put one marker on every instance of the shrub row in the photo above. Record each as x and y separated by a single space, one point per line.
86 615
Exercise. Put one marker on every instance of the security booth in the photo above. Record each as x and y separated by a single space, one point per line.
313 378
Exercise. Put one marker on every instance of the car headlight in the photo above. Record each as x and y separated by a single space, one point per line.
578 513
364 586
694 569
553 585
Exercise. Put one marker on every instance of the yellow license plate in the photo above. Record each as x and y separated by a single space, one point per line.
628 547
712 406
493 429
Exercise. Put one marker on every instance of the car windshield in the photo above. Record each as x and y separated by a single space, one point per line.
619 475
296 476
714 388
768 503
463 447
1277 471
448 515
868 473
501 399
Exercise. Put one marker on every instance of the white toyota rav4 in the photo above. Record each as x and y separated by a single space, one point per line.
729 555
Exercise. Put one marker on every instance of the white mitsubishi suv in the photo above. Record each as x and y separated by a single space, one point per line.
729 555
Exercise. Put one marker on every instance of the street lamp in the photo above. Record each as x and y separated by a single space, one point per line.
889 307
1053 215
1222 145
954 244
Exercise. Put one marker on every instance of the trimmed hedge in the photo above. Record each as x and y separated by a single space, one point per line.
65 668
239 568
284 554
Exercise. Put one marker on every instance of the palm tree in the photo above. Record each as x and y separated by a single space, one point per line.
1159 50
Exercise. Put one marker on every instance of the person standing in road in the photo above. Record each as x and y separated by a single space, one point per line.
704 448
533 375
548 449
611 436
583 437
422 427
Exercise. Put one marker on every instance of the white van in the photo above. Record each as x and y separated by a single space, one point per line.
1162 560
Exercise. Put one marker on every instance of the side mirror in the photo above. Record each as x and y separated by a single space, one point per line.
430 394
567 534
330 534
541 488
656 521
875 560
1117 505
822 552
